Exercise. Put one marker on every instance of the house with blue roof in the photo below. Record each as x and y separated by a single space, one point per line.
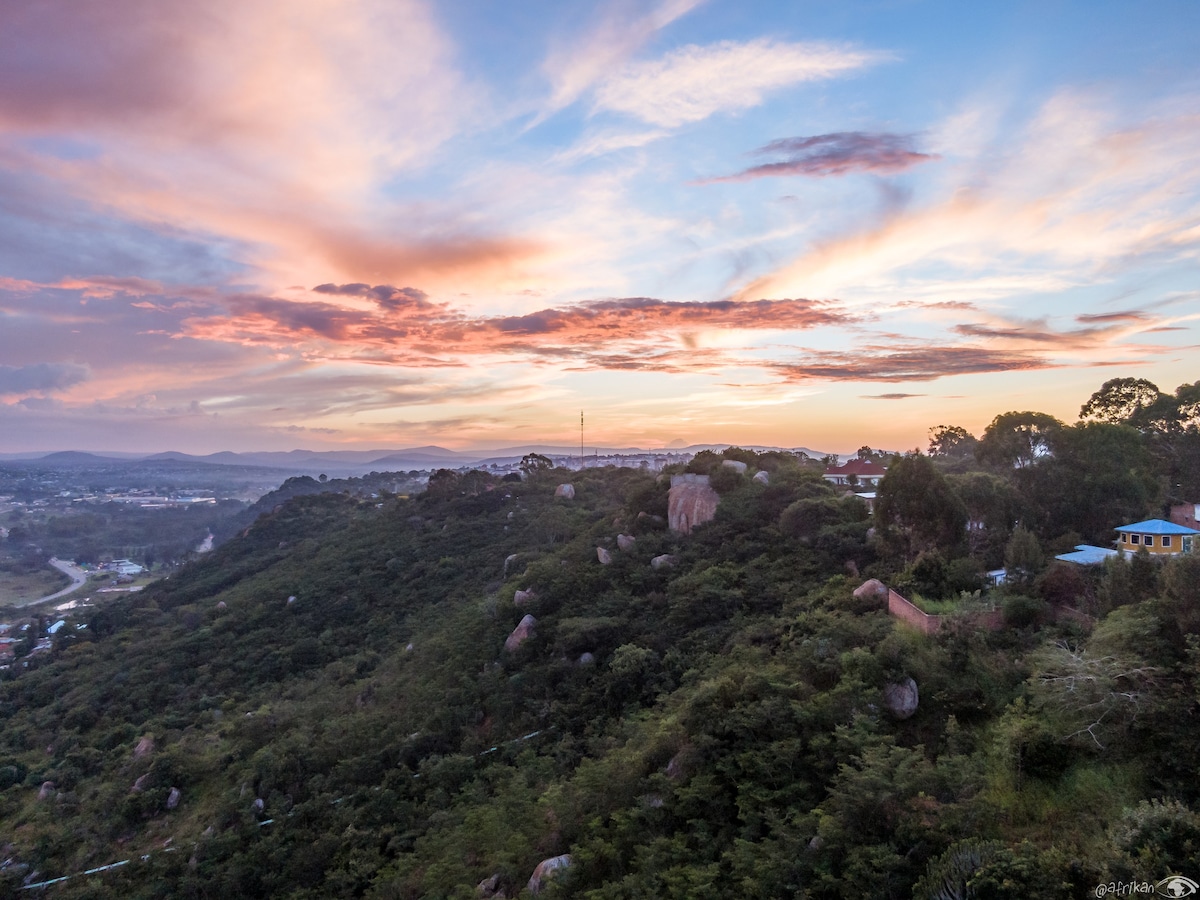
1157 537
1087 555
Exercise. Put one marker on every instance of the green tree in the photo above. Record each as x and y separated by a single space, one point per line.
987 870
1116 585
1017 440
805 518
866 454
1099 476
992 505
533 464
1159 836
951 442
1023 557
1181 588
443 483
1121 401
918 510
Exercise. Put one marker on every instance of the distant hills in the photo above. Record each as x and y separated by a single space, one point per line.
345 462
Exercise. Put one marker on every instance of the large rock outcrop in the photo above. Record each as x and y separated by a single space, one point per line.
871 588
901 698
737 465
761 478
665 561
565 491
546 870
521 633
690 502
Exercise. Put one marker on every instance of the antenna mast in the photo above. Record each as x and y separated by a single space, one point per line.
581 439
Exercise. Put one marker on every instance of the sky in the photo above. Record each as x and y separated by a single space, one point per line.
277 224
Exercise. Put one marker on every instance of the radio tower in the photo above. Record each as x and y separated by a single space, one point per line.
581 440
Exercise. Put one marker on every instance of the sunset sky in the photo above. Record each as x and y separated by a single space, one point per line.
270 224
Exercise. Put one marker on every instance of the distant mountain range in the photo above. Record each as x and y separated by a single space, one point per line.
343 462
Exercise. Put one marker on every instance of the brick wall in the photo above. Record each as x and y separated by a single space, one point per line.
992 620
906 612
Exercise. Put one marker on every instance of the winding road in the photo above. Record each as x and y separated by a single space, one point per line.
78 579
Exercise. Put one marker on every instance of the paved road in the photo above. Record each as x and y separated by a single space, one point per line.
78 579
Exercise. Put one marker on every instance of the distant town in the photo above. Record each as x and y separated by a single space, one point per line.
155 510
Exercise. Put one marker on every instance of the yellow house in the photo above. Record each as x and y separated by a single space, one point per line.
1157 536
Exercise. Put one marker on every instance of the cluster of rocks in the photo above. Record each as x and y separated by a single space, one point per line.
145 747
491 888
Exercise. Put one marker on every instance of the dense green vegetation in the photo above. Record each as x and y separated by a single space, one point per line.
717 727
113 530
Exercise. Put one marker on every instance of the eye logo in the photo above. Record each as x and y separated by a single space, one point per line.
1177 886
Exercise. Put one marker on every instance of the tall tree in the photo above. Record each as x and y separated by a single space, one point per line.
918 510
993 504
1097 476
535 463
1121 401
951 441
1023 557
1017 440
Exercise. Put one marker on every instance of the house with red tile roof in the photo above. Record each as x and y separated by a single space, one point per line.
856 472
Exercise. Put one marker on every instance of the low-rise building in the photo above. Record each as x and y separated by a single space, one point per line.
856 472
125 567
1087 555
1157 537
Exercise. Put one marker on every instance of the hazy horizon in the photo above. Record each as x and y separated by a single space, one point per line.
263 225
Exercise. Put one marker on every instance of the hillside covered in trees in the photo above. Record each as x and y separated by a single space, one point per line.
395 697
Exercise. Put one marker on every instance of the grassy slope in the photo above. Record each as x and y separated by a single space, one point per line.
21 588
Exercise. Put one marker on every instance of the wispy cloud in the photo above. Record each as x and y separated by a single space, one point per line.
891 396
268 123
625 333
913 363
573 66
694 82
839 153
1075 192
1131 316
998 344
600 143
41 377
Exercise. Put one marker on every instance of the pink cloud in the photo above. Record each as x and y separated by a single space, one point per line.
840 153
1074 192
636 332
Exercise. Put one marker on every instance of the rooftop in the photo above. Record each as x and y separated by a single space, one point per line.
1087 555
1157 526
858 467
